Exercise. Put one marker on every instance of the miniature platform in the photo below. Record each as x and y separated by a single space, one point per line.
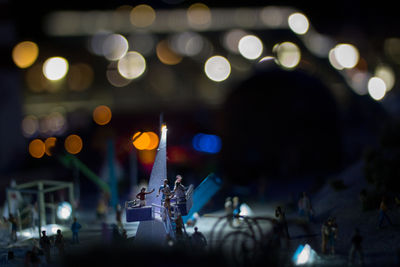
136 214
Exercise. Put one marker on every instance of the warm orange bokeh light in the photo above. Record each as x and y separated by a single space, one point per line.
49 144
24 54
166 55
73 144
36 148
102 115
141 142
147 156
153 140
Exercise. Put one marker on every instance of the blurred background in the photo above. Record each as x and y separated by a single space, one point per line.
255 91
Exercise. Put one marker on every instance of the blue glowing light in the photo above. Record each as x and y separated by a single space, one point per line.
207 143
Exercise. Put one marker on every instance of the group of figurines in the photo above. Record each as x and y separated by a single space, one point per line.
179 193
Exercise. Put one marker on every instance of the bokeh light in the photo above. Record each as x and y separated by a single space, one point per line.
142 16
346 55
231 40
217 68
30 125
142 42
37 148
55 68
187 43
298 23
250 47
35 79
273 17
49 144
73 144
24 54
146 156
80 77
392 49
288 54
102 115
199 16
386 73
166 55
333 60
132 65
115 46
153 140
141 140
376 88
207 143
114 77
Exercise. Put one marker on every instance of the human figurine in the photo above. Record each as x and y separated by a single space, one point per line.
14 224
165 190
75 227
101 209
229 209
198 240
179 226
356 248
35 216
305 208
45 244
142 196
280 214
329 231
179 190
236 206
167 206
118 217
59 243
383 213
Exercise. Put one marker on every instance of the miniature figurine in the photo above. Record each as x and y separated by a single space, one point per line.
329 232
229 209
167 206
305 208
356 248
280 214
165 190
13 222
383 213
45 245
75 227
118 215
198 240
179 190
101 209
236 206
59 242
142 196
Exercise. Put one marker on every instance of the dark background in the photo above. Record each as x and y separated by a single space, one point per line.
274 125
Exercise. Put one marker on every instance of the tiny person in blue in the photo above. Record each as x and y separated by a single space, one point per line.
75 227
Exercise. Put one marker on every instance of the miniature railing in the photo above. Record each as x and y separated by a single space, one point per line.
162 211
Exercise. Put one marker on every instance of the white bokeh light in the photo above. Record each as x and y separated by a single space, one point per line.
387 74
132 65
217 68
346 55
250 47
298 23
55 68
115 47
288 54
376 88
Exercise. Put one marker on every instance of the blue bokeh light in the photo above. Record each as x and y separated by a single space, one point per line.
207 143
